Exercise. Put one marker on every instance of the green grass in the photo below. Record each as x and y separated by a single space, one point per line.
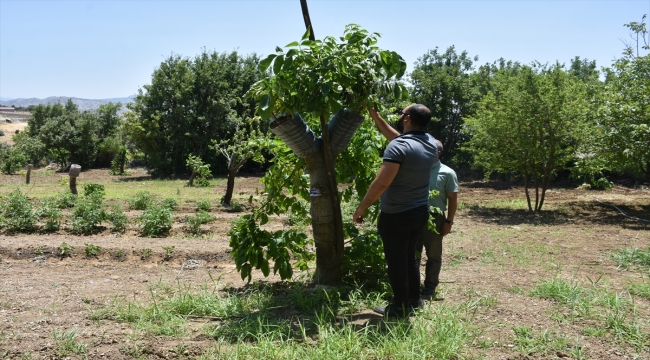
289 321
114 187
512 204
626 258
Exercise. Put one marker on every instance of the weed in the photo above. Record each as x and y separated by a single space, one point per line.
194 222
145 253
141 200
642 290
203 205
625 258
527 342
39 250
64 249
65 344
155 221
168 252
92 250
120 254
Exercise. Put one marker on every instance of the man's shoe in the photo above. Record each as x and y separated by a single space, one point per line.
390 311
428 291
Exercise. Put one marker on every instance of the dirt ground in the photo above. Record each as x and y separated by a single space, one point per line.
10 128
495 247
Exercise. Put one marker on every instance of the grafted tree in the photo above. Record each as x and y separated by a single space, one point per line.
311 82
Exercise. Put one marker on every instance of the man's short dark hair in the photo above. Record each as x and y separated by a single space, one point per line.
420 115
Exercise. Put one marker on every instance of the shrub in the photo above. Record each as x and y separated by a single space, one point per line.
2 133
88 214
155 221
145 253
51 214
18 213
141 200
169 203
194 222
364 257
65 200
601 184
11 160
200 171
64 249
92 250
235 207
203 205
92 188
118 219
118 163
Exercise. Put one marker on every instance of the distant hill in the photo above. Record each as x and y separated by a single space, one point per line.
84 104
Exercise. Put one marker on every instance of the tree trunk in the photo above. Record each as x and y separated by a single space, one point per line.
329 244
191 181
230 186
29 173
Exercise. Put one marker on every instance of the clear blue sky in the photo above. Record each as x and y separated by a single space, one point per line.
104 49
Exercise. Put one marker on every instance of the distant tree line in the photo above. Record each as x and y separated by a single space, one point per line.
531 121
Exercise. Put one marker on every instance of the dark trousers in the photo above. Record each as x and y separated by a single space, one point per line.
399 233
432 244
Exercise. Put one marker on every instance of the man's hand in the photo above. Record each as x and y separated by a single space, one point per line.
446 228
357 217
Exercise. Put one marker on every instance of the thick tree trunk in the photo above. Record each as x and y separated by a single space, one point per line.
29 173
329 244
230 187
191 181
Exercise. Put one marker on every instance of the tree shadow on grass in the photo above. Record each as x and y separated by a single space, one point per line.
578 213
292 311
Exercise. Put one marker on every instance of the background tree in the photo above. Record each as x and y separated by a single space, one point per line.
529 124
318 80
244 143
188 104
625 117
444 83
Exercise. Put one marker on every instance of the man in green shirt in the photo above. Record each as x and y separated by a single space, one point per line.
444 180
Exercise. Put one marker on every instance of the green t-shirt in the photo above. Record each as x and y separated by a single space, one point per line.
443 179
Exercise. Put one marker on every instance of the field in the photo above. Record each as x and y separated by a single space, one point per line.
571 282
19 122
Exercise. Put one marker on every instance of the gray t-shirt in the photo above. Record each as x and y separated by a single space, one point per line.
416 152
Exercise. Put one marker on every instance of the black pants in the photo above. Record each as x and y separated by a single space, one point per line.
399 233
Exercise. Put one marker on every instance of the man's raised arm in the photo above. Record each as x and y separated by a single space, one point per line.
388 131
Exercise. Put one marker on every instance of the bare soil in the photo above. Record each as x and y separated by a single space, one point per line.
492 250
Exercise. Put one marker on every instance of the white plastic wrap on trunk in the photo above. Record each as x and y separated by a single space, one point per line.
297 135
342 127
75 170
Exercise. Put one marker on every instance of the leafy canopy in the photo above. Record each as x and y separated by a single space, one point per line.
322 76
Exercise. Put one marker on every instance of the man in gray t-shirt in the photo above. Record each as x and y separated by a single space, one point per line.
403 185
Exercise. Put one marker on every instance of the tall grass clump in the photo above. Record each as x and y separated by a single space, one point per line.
626 258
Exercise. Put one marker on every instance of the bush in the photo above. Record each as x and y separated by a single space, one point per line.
155 221
169 203
118 219
88 214
92 250
64 249
92 188
364 257
200 171
11 160
51 214
235 207
141 200
203 205
118 163
65 200
194 222
601 184
17 212
2 133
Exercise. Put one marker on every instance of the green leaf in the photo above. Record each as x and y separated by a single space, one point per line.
264 64
277 64
292 44
264 266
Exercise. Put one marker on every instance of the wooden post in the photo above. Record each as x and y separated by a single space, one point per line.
29 172
74 173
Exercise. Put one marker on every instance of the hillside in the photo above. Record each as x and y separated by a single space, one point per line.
84 104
